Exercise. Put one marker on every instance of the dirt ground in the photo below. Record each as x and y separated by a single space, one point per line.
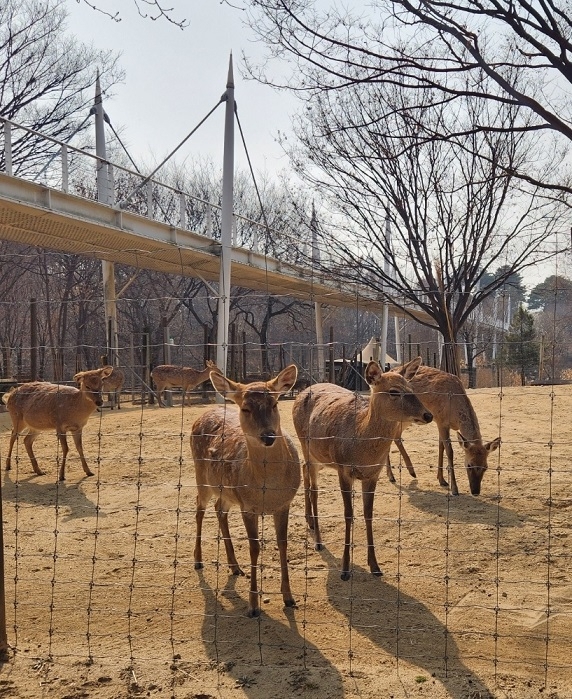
475 602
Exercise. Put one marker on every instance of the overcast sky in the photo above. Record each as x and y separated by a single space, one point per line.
175 77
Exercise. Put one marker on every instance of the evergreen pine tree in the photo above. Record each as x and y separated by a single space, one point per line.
521 350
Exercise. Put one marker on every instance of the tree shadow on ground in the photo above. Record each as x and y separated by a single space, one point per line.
263 656
402 627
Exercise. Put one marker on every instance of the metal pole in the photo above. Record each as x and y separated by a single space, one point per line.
317 305
8 148
385 313
103 195
226 227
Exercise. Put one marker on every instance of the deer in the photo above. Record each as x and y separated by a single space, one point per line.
112 385
41 406
445 396
244 459
352 434
172 376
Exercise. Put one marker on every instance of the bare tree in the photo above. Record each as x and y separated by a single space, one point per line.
454 210
147 9
47 79
510 54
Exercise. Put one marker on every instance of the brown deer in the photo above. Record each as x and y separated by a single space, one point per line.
112 385
243 458
41 406
352 434
445 396
172 376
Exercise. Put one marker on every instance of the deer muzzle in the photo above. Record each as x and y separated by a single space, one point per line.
268 438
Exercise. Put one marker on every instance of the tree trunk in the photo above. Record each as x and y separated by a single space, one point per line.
450 356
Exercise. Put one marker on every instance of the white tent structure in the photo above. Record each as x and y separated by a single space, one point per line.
373 351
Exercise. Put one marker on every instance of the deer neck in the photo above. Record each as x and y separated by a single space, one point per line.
261 457
370 419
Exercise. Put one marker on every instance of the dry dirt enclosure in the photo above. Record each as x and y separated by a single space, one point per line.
476 599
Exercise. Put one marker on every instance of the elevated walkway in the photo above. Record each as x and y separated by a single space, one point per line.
34 214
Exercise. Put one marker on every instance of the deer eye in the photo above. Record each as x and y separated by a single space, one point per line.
245 410
394 392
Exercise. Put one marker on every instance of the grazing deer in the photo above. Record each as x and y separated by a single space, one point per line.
444 395
41 406
171 376
243 458
351 433
112 385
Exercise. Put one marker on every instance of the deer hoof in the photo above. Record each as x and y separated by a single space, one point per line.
346 575
254 613
319 547
290 603
378 573
198 565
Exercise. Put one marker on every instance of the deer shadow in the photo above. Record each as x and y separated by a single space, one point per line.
402 627
38 492
463 508
264 656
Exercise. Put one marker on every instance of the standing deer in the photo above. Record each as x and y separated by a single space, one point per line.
112 385
172 376
445 396
41 406
243 458
352 434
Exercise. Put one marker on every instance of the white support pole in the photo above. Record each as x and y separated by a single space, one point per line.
182 210
398 357
320 342
226 226
8 148
65 169
318 306
107 268
385 313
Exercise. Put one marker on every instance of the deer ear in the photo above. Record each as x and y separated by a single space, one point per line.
462 441
495 444
106 371
372 372
285 380
227 388
79 376
409 370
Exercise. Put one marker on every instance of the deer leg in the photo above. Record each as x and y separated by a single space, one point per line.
222 514
311 502
405 457
388 470
281 526
346 489
451 467
198 553
444 437
368 494
28 441
251 524
79 446
159 391
17 427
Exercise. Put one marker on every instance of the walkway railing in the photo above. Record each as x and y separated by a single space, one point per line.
73 170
